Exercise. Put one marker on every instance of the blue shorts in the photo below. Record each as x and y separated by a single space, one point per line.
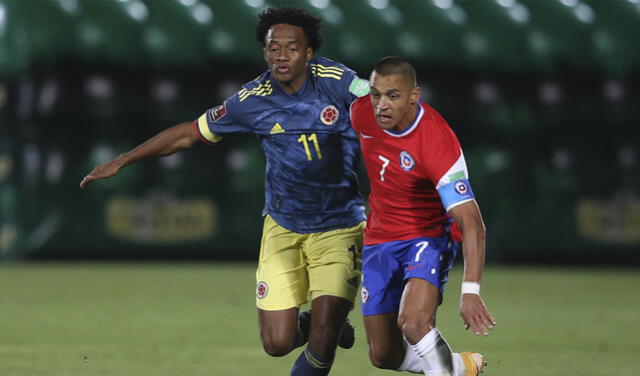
387 266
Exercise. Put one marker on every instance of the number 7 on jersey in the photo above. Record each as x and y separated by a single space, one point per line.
385 163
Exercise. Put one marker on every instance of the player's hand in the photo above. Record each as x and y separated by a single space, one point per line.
103 171
475 314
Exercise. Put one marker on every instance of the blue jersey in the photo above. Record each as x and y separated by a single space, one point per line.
310 147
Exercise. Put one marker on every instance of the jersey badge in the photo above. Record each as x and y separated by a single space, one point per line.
461 187
406 161
218 113
329 115
277 128
364 294
262 289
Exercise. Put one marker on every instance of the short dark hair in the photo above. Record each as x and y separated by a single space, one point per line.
394 65
290 16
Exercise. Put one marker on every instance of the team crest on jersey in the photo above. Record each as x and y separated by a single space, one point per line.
406 161
461 187
262 289
218 112
364 294
329 115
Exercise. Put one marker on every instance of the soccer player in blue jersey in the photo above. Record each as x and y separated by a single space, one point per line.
313 214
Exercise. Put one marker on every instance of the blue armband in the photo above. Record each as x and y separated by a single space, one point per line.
455 192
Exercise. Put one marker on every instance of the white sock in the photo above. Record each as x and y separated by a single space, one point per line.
458 364
435 354
412 362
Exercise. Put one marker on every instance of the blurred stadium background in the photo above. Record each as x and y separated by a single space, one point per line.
544 95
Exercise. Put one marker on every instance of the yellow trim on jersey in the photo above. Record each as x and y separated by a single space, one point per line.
203 127
325 68
262 90
323 71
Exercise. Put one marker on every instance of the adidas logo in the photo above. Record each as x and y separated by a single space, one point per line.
277 128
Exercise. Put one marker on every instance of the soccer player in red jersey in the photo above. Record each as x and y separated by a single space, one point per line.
422 209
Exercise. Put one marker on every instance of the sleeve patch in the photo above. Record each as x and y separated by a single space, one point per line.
359 87
218 113
457 176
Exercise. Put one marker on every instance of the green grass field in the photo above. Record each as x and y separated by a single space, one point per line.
199 319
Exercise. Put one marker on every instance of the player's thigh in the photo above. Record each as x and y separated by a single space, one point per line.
334 262
281 277
386 344
429 259
382 278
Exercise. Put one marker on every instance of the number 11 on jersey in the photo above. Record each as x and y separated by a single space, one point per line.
305 141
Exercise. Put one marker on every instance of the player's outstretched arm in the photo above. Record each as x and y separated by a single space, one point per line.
472 308
169 141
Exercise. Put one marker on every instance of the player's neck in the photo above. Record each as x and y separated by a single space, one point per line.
293 86
408 120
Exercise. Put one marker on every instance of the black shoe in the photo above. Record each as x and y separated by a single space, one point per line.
347 336
304 325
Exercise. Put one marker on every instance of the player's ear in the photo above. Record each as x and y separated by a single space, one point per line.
415 95
309 53
264 54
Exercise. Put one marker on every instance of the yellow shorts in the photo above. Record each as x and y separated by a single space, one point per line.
294 268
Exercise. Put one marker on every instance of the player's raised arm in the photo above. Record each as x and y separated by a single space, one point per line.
169 141
472 308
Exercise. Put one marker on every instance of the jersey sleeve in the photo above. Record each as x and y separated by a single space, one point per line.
356 87
345 85
448 168
355 111
224 119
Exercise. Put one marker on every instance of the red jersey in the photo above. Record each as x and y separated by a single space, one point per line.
416 175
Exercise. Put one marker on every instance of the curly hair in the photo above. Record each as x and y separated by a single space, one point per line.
290 16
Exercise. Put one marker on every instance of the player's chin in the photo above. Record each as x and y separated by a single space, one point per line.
284 78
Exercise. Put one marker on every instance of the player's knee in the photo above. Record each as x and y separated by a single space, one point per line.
383 358
277 346
414 326
276 349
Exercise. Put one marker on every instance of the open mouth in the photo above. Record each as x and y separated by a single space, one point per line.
283 69
384 119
